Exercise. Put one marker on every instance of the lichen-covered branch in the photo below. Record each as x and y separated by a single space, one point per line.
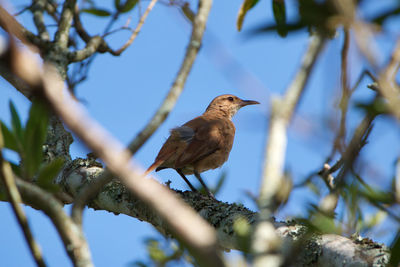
38 8
316 250
62 34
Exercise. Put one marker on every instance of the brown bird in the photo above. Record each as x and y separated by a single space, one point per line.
203 143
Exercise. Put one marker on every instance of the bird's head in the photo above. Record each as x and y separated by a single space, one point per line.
228 105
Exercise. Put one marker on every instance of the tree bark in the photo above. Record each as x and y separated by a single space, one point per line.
310 250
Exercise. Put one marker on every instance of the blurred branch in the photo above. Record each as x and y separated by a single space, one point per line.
357 142
162 112
339 142
387 82
377 204
7 178
21 33
329 203
70 233
265 240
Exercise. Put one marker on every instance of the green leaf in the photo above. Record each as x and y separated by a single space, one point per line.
380 19
139 264
47 174
242 229
16 122
117 4
9 139
35 135
395 251
244 8
220 183
97 12
16 169
155 252
378 196
376 107
128 6
279 10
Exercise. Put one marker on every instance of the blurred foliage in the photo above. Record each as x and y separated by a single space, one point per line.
279 10
164 252
313 15
120 7
243 230
27 141
217 188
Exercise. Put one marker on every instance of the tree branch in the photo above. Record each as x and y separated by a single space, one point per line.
71 234
37 10
387 83
265 241
317 250
6 176
136 31
91 48
62 34
93 44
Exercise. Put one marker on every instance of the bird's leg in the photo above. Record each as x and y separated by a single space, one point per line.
179 171
203 184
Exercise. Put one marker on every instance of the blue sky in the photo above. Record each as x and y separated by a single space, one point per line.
122 93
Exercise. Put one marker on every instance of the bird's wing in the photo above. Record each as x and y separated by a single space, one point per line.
205 141
178 140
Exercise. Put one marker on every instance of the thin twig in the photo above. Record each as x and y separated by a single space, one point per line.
158 118
7 178
265 240
70 233
94 43
346 94
136 31
375 203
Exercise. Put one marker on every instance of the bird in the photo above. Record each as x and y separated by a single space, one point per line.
202 143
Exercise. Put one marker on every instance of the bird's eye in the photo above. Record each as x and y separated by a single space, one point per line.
230 99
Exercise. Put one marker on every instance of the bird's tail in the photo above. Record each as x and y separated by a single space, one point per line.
153 166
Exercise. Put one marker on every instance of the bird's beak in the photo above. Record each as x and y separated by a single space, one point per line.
248 102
